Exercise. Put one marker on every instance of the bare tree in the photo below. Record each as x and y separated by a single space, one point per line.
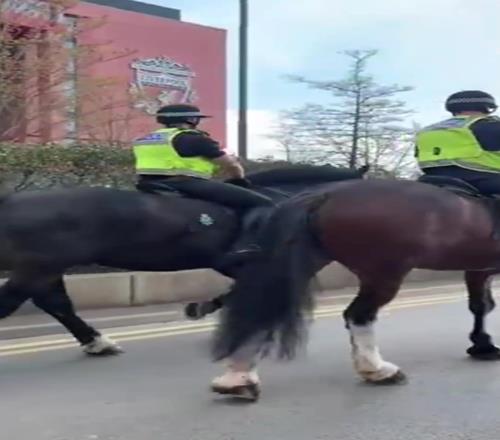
47 80
364 124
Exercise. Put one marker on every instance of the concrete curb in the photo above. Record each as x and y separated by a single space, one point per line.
144 288
157 288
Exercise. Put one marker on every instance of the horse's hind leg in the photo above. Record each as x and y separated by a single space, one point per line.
360 318
481 303
198 310
54 300
11 298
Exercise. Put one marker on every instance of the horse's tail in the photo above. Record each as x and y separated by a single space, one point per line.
273 297
363 170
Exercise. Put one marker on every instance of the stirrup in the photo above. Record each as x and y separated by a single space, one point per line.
239 256
250 249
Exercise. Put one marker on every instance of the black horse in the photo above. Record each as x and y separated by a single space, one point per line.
45 233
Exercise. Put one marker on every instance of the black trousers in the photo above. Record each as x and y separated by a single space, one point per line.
222 193
486 183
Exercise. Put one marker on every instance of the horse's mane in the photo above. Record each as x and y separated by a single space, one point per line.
281 182
304 174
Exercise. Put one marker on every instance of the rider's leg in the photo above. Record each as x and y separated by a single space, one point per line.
487 183
154 184
219 192
244 201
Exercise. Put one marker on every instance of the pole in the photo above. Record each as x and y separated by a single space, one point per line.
243 80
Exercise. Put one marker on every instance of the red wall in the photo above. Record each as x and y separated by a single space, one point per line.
201 48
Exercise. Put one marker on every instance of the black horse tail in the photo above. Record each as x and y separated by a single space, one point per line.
363 170
273 296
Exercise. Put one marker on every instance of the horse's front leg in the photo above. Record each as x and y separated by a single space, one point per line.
360 319
51 297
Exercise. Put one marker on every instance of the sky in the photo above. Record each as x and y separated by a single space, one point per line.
436 46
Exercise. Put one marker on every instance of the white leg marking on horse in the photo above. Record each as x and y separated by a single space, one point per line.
367 359
241 372
236 376
102 345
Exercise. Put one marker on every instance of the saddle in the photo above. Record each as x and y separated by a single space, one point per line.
158 188
465 189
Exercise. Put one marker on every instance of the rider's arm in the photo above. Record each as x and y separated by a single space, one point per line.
194 144
231 167
487 132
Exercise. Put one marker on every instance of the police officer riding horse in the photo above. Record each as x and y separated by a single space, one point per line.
183 159
464 148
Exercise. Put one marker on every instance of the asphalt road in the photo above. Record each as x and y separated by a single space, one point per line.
158 390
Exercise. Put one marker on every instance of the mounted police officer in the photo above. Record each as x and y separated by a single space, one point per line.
179 157
466 146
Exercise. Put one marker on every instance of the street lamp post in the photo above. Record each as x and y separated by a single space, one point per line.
243 80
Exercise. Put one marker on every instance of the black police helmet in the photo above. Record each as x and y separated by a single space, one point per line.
178 113
470 100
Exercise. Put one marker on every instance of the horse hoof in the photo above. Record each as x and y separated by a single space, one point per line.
249 392
490 353
398 378
192 311
109 351
103 346
199 310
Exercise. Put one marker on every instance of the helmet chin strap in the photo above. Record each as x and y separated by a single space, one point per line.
185 121
193 122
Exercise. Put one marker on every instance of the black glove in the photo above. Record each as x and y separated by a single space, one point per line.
244 183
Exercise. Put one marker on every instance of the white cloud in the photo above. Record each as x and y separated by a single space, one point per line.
437 46
260 126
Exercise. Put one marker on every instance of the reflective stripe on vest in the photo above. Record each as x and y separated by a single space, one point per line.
156 155
452 143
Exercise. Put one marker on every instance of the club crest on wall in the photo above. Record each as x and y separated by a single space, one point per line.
160 81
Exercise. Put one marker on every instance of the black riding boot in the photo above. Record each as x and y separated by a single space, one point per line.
247 246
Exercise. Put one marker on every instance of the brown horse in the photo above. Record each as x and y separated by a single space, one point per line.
380 230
